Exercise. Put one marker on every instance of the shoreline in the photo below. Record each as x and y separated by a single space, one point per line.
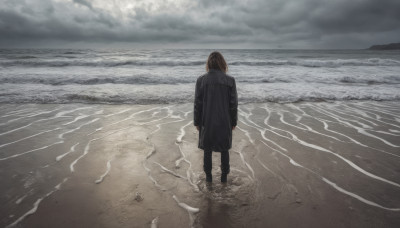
314 100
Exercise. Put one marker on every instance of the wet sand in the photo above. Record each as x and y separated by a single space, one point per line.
292 165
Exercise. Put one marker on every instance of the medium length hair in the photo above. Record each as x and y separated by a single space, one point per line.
216 61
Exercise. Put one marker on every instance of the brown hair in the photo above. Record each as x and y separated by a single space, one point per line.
216 61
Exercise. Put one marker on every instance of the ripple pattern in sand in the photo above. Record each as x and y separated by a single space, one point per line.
324 140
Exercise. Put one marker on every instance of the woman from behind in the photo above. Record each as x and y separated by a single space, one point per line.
215 113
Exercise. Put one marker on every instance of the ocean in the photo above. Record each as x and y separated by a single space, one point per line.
168 76
68 157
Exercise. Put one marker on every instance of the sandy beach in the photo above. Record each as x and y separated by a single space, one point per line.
307 164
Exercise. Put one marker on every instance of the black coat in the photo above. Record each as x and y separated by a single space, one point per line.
215 110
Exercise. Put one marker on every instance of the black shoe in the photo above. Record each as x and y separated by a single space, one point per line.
208 177
224 177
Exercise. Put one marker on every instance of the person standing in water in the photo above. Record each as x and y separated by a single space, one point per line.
215 113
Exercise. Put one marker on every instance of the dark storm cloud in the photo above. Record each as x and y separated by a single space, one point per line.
374 16
253 23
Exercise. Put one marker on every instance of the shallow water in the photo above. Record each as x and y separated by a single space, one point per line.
298 164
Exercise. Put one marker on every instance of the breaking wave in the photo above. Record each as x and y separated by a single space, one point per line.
185 98
154 79
95 81
323 63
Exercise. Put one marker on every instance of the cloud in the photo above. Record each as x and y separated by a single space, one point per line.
187 23
84 3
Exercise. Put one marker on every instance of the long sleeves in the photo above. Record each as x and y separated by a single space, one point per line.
215 110
233 104
198 103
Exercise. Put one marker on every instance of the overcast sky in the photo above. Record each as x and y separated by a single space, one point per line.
199 23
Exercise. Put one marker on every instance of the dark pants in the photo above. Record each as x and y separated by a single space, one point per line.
225 168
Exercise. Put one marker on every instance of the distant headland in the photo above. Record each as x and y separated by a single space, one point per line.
392 46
